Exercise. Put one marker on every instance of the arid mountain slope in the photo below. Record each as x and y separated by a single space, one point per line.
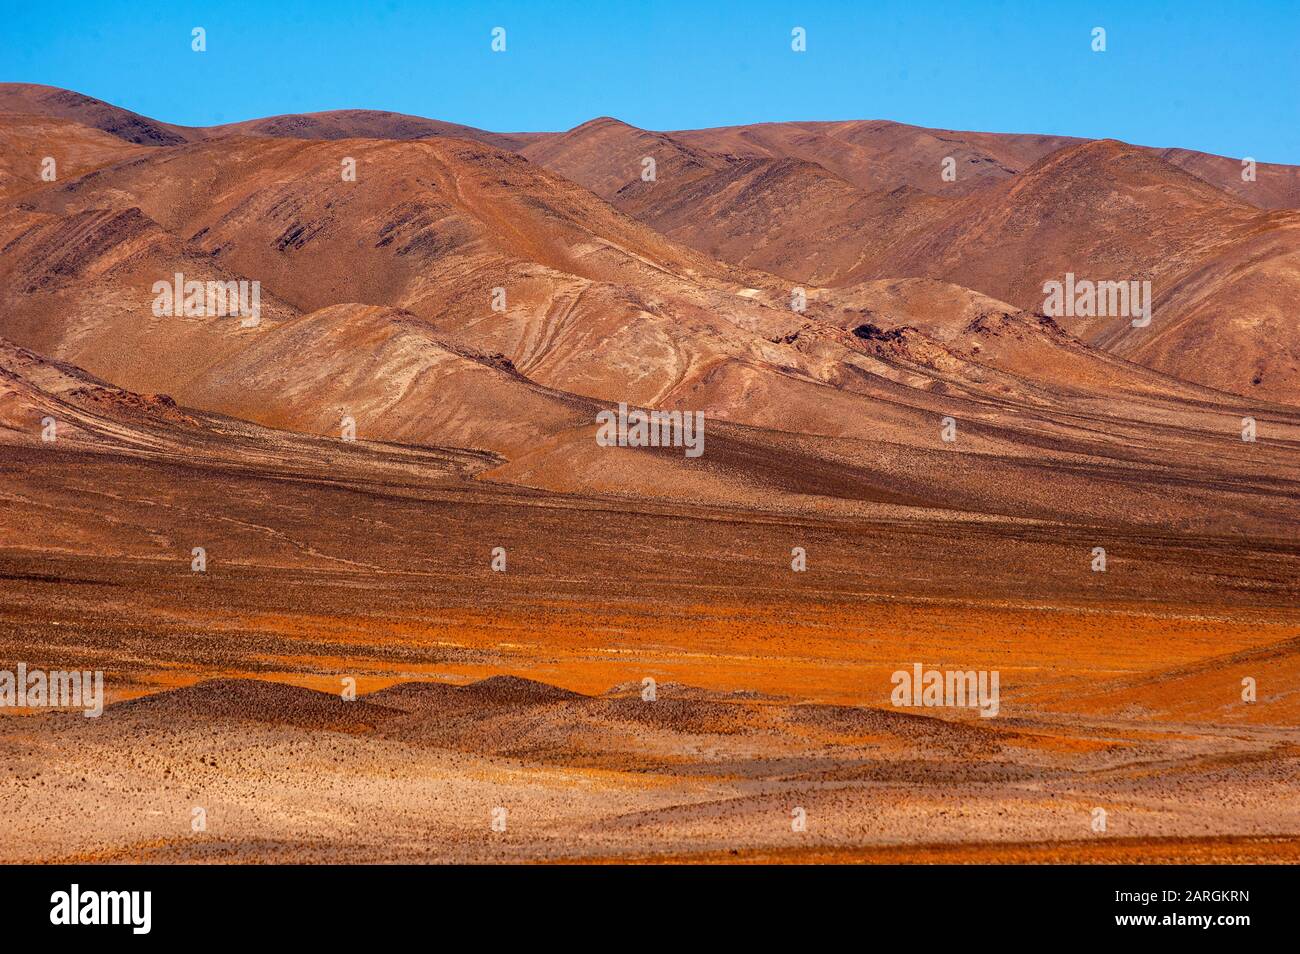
1273 186
1103 211
83 287
608 156
1099 209
390 373
789 217
58 409
433 227
878 155
358 124
855 422
882 155
50 101
378 301
799 206
79 287
875 155
28 143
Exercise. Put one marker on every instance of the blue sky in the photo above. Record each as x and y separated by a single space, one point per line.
1223 77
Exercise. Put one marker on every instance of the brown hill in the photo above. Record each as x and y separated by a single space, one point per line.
1227 323
89 414
790 217
358 124
794 199
1100 209
874 155
1275 186
878 155
377 300
85 409
607 156
81 289
27 141
881 155
672 330
1108 212
219 700
50 101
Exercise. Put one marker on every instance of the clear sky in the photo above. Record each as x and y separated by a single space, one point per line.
1221 76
